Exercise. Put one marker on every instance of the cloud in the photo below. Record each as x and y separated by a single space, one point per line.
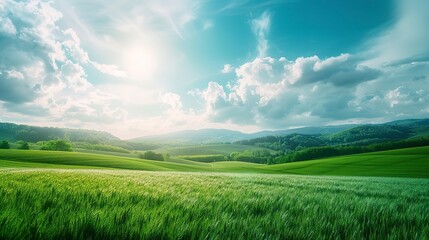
48 70
72 46
6 26
43 68
227 68
233 4
261 27
14 74
14 89
343 70
173 101
30 109
109 69
208 24
74 76
176 14
406 40
272 93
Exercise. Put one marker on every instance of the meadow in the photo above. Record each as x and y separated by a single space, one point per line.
208 149
72 195
407 162
100 204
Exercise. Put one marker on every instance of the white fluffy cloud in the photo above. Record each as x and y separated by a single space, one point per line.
343 70
276 93
43 68
46 72
173 100
387 81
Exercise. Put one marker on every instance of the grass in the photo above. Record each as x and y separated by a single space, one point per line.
410 162
204 158
407 162
118 154
74 195
100 204
210 149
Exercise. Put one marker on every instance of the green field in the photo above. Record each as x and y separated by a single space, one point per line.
209 149
410 162
100 204
72 195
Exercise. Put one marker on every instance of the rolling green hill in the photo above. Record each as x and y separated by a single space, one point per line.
372 133
72 195
209 149
358 139
89 139
14 132
410 162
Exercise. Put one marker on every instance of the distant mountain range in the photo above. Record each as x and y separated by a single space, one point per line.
205 136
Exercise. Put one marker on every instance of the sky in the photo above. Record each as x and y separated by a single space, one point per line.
135 68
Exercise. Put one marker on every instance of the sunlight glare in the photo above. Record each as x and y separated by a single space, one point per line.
141 62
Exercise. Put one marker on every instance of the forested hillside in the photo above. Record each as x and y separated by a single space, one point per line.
356 136
82 138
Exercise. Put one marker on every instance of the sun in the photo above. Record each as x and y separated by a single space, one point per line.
141 62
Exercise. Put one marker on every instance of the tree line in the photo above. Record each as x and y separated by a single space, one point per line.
51 145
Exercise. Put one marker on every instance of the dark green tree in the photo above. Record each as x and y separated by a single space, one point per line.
4 145
24 146
56 145
151 156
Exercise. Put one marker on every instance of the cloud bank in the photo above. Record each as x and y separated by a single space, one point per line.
43 69
46 69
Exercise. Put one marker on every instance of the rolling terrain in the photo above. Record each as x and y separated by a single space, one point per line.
209 149
409 162
76 195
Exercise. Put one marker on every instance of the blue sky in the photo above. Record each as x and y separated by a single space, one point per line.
136 68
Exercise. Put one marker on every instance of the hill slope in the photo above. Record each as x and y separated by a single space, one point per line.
373 133
14 132
410 162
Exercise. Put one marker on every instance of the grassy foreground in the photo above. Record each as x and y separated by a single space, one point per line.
100 204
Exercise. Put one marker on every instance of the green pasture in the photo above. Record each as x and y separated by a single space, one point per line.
209 149
409 162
